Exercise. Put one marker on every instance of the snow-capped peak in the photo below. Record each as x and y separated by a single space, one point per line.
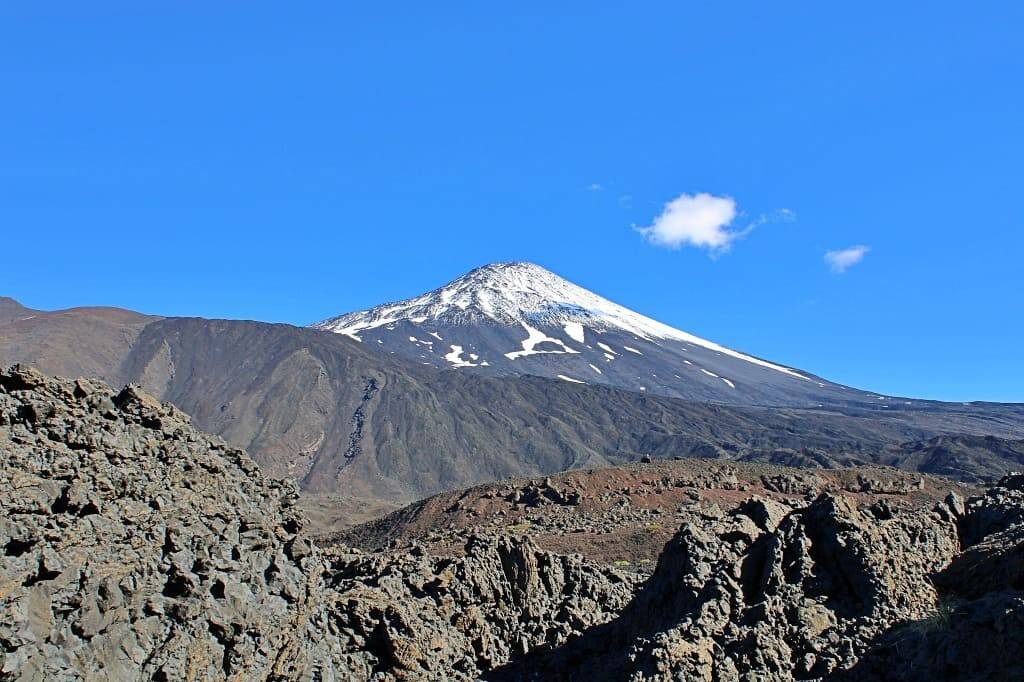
524 295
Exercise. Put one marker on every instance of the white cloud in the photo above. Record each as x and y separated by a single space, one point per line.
700 220
595 187
843 259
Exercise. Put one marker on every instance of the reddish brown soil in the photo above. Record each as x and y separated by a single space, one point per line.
625 515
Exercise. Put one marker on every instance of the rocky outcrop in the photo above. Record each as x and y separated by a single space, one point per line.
758 595
832 590
420 617
976 630
136 547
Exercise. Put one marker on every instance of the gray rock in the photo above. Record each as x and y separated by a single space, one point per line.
137 547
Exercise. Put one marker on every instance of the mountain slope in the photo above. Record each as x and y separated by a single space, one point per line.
371 431
88 341
519 319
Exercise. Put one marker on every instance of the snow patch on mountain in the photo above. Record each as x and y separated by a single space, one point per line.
455 357
535 338
575 331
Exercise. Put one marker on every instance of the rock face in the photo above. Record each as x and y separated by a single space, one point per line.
418 617
828 591
751 595
976 632
136 547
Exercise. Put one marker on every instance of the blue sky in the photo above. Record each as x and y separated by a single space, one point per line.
252 161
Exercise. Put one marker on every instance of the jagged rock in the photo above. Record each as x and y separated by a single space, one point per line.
976 631
764 512
136 547
546 493
999 508
420 617
993 564
732 599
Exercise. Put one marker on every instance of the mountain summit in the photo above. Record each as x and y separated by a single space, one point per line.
519 318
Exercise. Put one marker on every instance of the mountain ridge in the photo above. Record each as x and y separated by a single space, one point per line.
365 431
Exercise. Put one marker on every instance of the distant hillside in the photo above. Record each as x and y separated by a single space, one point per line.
366 432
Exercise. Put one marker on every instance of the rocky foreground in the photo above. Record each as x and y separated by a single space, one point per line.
136 547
